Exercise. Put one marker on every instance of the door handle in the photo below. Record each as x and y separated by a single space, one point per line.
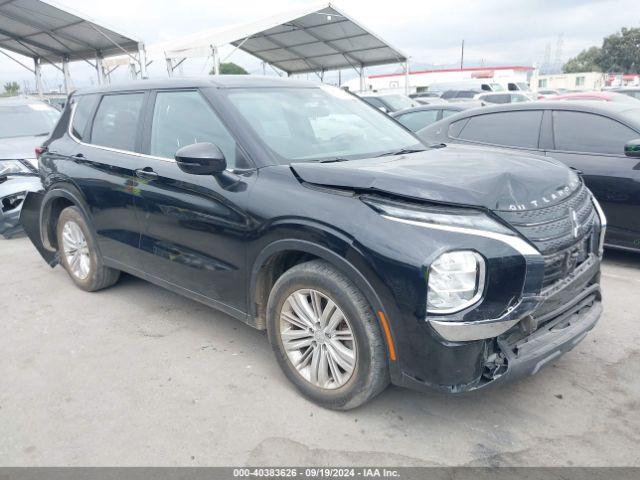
147 173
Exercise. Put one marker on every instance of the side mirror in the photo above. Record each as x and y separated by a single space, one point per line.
632 148
201 159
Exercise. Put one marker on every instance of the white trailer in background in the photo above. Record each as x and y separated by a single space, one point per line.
509 77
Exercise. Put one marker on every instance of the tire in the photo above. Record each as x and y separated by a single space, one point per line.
337 388
88 271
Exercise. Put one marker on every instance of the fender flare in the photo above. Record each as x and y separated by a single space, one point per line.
339 262
60 190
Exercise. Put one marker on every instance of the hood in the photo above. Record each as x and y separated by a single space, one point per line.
19 147
473 176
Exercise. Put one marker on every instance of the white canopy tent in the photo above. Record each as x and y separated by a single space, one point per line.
50 34
313 39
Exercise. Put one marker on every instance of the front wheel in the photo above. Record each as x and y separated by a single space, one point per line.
325 336
79 255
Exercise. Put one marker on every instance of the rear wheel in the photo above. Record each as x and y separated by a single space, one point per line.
79 255
325 336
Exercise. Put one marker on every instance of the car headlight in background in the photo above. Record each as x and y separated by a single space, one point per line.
436 215
455 281
8 167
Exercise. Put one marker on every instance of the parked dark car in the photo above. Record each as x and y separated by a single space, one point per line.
389 102
587 136
24 124
630 91
420 117
300 209
460 95
425 94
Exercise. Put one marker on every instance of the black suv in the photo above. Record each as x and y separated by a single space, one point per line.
299 209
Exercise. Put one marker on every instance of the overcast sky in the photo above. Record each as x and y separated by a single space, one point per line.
495 31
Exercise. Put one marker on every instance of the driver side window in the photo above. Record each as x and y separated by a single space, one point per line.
182 118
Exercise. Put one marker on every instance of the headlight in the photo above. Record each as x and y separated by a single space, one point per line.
436 215
8 167
455 281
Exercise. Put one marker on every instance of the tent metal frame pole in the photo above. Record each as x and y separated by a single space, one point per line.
100 69
142 60
16 61
216 59
406 77
38 74
66 75
362 81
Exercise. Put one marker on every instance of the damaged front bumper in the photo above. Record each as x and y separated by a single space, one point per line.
13 191
539 330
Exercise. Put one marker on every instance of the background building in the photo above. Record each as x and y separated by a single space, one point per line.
420 80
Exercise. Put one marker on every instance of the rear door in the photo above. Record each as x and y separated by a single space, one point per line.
103 158
518 130
594 144
194 226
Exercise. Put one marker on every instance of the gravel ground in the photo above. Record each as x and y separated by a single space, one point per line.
136 375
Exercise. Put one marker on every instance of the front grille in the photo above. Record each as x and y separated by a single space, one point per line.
564 233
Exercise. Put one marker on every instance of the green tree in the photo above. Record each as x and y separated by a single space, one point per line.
586 61
230 68
11 88
621 51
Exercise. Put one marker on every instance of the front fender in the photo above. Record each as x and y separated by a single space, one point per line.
343 262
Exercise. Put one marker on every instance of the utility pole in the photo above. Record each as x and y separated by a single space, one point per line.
462 56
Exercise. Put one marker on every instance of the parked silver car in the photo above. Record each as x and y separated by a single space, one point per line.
24 125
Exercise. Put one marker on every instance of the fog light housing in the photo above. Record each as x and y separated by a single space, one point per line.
455 281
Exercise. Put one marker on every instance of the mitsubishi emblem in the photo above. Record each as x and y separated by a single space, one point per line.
575 226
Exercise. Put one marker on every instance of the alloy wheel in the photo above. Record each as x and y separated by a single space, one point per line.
318 339
76 250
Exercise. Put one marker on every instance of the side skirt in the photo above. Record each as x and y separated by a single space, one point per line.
232 311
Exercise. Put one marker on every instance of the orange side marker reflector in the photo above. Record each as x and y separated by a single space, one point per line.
387 333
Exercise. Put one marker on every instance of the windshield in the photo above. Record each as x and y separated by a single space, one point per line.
305 124
27 120
496 87
399 102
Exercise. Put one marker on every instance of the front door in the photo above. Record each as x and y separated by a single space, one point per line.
194 227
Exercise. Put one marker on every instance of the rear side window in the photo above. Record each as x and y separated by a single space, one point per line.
414 121
586 132
84 107
511 129
116 121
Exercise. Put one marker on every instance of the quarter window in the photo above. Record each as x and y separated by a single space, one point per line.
182 118
116 121
84 107
586 132
512 129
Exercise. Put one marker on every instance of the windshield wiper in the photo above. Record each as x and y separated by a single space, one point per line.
402 151
41 134
334 160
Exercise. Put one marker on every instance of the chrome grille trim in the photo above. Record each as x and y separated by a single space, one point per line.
553 231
